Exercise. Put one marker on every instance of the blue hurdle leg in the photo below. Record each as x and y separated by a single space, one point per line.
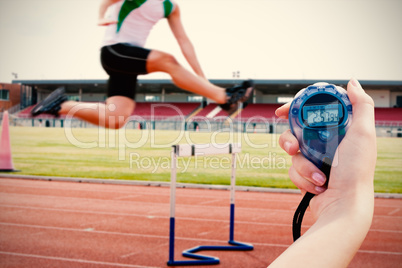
231 226
171 241
237 245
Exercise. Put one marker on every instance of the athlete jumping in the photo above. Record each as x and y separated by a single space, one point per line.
124 57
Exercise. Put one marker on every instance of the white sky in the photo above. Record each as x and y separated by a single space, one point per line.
263 39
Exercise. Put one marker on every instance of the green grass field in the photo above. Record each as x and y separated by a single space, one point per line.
145 155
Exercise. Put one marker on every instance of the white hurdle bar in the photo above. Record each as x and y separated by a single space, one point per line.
188 150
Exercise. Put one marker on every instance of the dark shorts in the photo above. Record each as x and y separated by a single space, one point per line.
123 63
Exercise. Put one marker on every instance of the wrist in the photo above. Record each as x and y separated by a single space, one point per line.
356 207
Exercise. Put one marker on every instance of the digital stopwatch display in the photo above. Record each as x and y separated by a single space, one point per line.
322 115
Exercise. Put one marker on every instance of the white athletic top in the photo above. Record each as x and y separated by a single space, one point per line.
135 20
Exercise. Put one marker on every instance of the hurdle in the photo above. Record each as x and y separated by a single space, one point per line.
187 150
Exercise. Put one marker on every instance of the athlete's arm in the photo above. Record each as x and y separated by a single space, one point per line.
185 44
344 211
104 5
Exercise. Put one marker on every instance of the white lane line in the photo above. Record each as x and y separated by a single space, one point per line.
50 197
177 237
209 201
126 197
86 212
379 252
73 260
131 234
167 217
152 193
139 252
394 211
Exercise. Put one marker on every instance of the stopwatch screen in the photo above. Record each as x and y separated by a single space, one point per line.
322 115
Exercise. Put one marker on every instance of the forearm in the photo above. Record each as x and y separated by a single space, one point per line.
189 53
335 237
184 42
104 5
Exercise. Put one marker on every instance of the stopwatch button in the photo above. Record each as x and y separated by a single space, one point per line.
324 135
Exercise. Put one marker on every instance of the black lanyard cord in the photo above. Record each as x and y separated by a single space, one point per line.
301 209
298 217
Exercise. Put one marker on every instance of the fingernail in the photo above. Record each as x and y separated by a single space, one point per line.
276 113
355 82
320 189
318 178
287 146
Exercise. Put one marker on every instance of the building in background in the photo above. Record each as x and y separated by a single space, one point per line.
386 94
10 96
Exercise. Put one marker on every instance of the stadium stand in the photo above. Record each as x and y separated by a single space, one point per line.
26 113
264 110
161 110
209 108
221 113
388 116
147 110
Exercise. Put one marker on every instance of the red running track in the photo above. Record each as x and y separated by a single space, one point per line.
66 224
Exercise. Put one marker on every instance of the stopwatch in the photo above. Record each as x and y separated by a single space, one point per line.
319 117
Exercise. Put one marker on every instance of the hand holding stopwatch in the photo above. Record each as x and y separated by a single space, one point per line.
319 117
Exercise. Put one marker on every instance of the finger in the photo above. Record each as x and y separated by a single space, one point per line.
283 111
106 22
358 143
303 184
363 107
308 170
303 192
288 142
357 94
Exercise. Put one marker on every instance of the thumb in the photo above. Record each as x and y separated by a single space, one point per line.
363 108
357 153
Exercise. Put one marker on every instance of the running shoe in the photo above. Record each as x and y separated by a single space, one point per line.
51 104
237 95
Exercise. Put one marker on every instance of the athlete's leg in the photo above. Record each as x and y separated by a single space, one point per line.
123 63
121 92
158 61
113 114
